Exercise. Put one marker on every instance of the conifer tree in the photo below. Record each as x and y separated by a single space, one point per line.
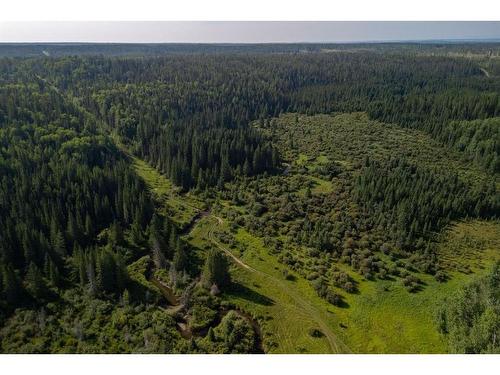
215 270
35 284
12 289
180 258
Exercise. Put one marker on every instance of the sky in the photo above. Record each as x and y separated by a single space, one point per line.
243 32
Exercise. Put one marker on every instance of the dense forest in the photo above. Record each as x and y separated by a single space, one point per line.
346 160
470 318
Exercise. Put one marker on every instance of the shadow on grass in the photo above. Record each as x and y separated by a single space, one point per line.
343 304
242 291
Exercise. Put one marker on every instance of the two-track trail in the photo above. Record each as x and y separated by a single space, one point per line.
299 302
283 295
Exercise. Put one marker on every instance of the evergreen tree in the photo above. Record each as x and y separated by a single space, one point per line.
180 258
35 284
12 289
116 234
215 270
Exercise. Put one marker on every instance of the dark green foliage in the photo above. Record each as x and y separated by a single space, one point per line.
410 201
111 274
237 334
116 234
12 291
62 185
180 258
333 297
411 283
73 213
81 324
470 319
35 284
314 332
437 114
216 270
479 139
441 276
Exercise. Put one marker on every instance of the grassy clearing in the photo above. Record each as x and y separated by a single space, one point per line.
383 317
280 305
470 246
400 321
181 208
375 321
305 310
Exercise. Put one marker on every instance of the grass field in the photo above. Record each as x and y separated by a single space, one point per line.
181 208
286 309
383 317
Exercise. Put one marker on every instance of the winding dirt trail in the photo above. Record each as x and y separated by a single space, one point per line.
336 345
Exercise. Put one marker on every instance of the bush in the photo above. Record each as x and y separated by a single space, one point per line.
441 276
333 297
285 274
314 332
236 333
201 317
411 283
320 287
349 287
382 274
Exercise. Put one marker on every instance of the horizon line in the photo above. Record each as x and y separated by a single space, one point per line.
368 41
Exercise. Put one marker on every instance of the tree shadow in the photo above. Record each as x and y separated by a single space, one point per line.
242 291
343 304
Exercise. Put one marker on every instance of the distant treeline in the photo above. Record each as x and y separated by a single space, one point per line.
487 48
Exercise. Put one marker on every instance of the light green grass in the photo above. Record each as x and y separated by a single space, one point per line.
470 246
291 296
385 318
181 208
321 186
376 321
382 318
286 310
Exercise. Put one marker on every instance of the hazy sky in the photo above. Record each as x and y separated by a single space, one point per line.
243 32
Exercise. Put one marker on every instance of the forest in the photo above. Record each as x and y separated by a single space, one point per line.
249 198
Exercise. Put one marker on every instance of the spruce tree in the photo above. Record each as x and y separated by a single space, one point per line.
35 284
12 289
180 258
215 270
